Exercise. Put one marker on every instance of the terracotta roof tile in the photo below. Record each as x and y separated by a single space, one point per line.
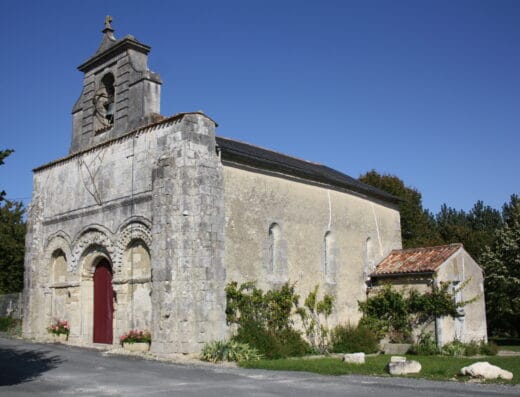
415 260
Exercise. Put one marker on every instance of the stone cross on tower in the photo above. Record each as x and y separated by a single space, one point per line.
108 21
108 30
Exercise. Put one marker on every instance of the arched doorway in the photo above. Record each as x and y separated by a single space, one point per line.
103 303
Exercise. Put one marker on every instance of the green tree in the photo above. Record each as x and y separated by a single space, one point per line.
418 226
484 221
12 236
474 229
501 262
3 155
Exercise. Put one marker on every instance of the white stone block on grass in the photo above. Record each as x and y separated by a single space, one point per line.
404 368
354 358
483 369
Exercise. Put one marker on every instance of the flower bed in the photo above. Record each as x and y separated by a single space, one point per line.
59 330
135 340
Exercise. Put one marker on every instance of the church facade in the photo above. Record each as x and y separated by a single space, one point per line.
148 217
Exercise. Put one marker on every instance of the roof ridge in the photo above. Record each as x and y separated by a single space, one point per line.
273 151
428 248
149 126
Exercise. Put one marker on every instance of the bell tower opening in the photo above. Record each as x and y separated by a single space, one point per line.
104 104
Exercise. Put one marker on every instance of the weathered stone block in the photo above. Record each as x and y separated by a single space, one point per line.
396 348
354 358
485 370
404 368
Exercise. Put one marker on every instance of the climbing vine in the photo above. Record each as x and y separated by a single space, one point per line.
314 315
395 314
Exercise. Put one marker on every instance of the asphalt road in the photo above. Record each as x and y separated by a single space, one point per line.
30 369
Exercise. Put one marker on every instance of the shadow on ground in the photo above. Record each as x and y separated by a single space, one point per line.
18 366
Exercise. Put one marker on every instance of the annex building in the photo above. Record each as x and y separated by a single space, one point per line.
148 217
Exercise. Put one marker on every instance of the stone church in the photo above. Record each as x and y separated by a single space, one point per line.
148 217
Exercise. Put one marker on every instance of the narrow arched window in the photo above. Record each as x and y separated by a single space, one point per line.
59 267
274 248
137 267
137 263
329 266
370 255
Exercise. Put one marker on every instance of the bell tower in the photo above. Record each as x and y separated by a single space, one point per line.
119 92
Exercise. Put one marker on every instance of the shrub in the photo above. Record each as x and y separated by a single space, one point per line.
7 323
293 345
249 305
314 316
386 313
455 348
425 345
264 320
228 350
472 348
488 349
352 339
271 345
259 338
395 314
135 336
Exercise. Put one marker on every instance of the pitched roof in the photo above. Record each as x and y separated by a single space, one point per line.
415 260
256 156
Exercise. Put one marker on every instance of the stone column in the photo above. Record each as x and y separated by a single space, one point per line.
188 299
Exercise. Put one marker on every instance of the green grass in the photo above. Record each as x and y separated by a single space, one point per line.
433 367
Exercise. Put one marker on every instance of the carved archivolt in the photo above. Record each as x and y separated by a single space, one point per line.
59 241
88 239
131 232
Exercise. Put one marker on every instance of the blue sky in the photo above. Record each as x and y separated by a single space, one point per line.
426 90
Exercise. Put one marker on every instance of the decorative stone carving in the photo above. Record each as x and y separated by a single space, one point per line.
59 241
133 231
89 238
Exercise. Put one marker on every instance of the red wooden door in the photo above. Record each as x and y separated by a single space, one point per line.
103 303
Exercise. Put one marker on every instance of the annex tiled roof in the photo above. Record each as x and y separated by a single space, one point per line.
273 161
415 260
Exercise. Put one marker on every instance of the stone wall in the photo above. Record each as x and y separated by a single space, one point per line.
11 305
167 275
282 229
461 268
